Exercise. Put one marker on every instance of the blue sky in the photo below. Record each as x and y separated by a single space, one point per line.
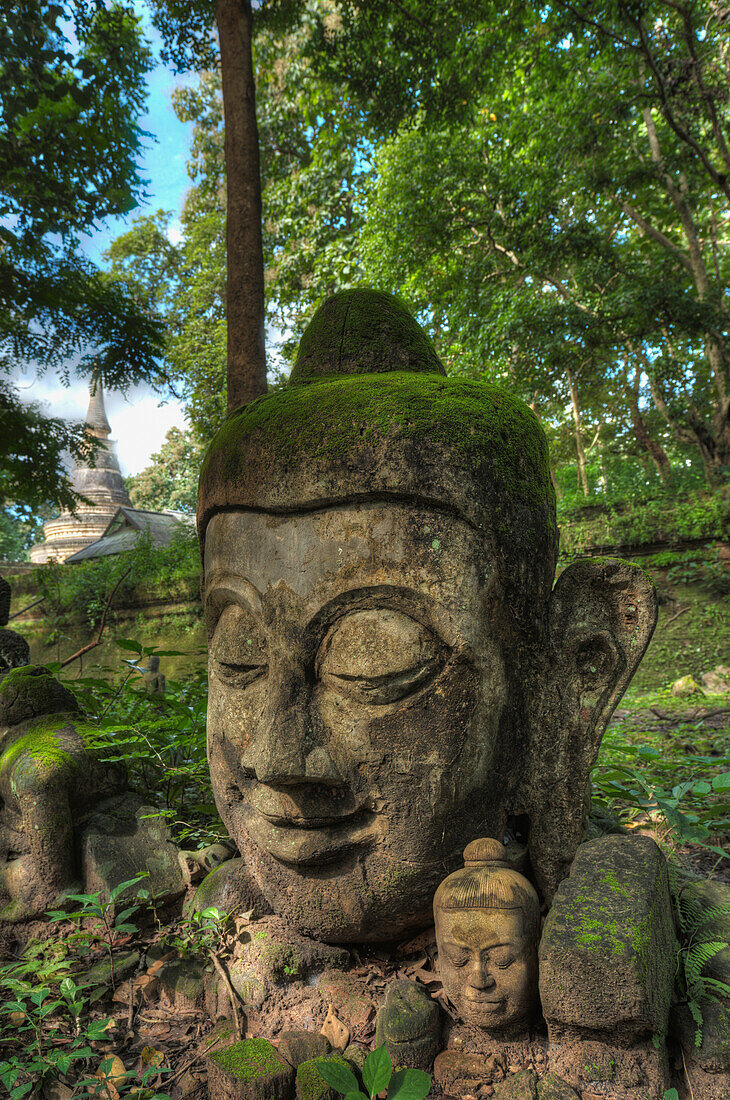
139 421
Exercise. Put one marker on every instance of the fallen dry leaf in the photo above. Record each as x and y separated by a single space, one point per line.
111 1074
335 1031
150 1058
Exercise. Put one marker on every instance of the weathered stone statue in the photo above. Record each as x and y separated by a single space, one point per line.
14 650
66 823
487 918
154 681
47 780
391 671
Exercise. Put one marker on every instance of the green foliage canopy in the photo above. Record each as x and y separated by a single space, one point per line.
72 88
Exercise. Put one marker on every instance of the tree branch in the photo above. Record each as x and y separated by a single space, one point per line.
657 236
102 624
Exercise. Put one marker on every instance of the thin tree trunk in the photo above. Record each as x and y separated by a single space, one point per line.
245 276
579 447
714 347
641 433
535 408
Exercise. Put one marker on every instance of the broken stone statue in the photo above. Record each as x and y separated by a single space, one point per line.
65 824
14 650
392 672
487 918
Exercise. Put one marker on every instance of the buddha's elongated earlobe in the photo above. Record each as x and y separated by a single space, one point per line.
602 616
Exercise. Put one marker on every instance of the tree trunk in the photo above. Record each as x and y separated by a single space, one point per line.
714 344
245 263
579 447
641 433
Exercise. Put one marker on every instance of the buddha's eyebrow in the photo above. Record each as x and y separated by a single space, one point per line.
237 589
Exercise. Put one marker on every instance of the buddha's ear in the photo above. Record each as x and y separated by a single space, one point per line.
601 619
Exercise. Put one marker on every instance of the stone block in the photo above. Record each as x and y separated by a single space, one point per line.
183 982
277 954
458 1073
355 1054
551 1087
409 1024
125 965
297 1046
607 1071
124 838
231 889
310 1085
249 1070
608 949
523 1086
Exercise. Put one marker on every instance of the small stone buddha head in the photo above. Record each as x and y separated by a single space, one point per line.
389 673
487 928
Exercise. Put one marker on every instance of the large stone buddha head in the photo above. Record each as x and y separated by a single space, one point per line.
390 676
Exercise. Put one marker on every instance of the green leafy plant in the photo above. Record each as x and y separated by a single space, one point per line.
682 785
695 952
198 933
159 739
102 921
45 1020
377 1076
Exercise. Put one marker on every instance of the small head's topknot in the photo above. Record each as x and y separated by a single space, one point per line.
363 332
486 851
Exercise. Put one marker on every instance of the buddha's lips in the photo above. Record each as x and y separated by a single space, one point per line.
308 839
302 807
286 822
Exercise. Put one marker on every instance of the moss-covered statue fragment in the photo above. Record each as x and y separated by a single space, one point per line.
391 672
48 780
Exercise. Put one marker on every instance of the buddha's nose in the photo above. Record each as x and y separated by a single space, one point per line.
479 976
282 749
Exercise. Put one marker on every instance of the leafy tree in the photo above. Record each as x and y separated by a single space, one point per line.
71 88
170 482
572 157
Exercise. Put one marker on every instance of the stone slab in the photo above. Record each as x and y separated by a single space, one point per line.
608 950
123 838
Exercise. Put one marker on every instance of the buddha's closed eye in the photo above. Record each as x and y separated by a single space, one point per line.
239 651
457 956
378 656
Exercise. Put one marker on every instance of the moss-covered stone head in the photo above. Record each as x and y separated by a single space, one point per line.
31 691
379 545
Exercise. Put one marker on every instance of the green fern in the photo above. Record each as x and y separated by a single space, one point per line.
697 957
695 953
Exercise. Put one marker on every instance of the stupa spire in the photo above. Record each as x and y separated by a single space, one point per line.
96 418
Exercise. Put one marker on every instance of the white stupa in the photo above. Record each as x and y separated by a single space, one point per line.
101 484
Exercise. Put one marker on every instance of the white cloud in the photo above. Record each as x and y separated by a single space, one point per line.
139 422
140 429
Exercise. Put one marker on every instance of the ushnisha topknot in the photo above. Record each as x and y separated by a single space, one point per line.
369 414
487 881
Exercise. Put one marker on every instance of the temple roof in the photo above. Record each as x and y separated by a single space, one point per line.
126 527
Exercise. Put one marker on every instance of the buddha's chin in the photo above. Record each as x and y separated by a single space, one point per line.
493 1015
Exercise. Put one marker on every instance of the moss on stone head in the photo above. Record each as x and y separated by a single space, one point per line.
31 691
363 332
36 753
390 426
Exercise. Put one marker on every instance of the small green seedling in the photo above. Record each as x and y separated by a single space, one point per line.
377 1076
